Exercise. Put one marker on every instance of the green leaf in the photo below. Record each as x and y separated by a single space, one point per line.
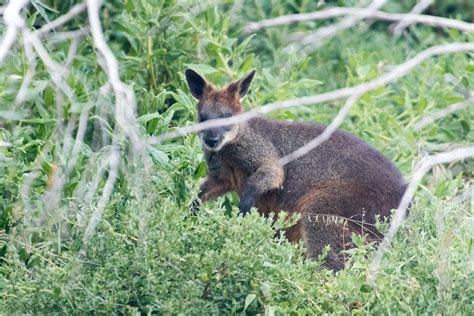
148 117
248 300
365 288
203 69
158 156
200 170
266 290
247 64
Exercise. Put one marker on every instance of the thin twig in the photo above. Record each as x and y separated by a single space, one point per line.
30 73
14 22
125 97
326 134
315 40
426 120
59 37
63 19
399 27
431 20
109 186
425 165
56 71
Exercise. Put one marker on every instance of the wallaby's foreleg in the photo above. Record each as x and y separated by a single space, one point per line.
267 177
210 189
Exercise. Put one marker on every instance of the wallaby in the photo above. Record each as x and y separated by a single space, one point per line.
343 178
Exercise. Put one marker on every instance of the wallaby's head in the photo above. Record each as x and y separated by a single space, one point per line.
214 103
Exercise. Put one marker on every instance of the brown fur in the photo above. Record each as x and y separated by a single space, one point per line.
338 188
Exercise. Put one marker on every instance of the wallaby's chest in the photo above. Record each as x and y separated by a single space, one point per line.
229 165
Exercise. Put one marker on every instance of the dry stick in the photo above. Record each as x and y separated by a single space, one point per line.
398 28
56 71
81 131
125 106
315 40
59 37
87 195
326 134
14 22
30 73
426 164
396 73
443 113
63 19
125 98
30 177
431 20
109 186
59 100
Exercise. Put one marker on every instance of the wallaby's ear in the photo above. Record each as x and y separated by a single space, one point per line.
242 86
196 83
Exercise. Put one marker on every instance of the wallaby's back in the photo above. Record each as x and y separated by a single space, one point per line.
342 157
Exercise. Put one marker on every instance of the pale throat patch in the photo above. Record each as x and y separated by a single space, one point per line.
228 137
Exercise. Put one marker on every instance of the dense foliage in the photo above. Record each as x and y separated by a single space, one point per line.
148 255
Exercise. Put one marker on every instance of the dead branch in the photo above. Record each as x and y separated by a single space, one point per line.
14 22
125 97
431 20
30 73
326 134
399 216
114 161
431 118
315 40
63 19
398 28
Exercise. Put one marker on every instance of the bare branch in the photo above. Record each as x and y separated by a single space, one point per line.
109 186
30 73
56 71
326 134
425 166
431 20
315 40
59 37
443 113
125 97
396 73
63 19
14 21
398 28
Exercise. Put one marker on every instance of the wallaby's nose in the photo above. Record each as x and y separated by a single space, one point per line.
211 141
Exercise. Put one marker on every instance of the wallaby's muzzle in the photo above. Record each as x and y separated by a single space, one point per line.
213 138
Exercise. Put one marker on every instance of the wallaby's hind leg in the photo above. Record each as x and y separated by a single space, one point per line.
320 232
332 211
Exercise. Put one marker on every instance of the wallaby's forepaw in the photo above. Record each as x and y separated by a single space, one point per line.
247 200
244 206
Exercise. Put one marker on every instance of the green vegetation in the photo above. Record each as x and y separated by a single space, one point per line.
148 255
